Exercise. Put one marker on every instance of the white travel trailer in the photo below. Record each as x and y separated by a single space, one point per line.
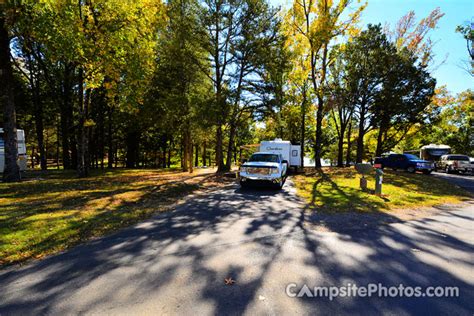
433 152
22 158
289 152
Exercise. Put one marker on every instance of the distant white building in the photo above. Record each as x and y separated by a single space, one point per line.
22 158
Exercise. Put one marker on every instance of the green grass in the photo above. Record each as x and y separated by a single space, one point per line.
337 190
49 212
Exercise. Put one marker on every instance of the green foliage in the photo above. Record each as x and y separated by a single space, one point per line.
454 125
385 87
145 83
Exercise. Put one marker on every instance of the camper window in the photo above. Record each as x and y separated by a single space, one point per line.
294 153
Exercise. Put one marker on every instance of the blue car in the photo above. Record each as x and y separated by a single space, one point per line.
408 162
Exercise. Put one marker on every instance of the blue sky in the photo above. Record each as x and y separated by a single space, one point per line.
448 43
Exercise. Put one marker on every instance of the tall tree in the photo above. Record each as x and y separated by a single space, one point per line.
318 23
259 69
467 31
236 31
11 171
180 85
221 19
342 100
364 60
405 94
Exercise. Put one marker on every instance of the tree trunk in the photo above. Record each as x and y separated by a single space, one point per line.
40 129
360 137
82 167
38 115
220 103
219 149
101 138
340 147
320 111
204 153
169 155
132 149
33 157
185 151
68 143
378 150
188 149
162 163
349 144
319 133
190 155
65 139
235 155
196 157
73 146
11 172
58 145
110 155
230 147
303 124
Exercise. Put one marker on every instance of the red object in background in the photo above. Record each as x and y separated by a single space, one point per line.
378 165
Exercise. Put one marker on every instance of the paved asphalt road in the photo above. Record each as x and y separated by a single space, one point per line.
462 180
176 263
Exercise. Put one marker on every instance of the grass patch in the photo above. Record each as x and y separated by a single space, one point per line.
337 190
49 212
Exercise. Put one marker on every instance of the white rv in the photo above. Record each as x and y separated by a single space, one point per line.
289 152
22 158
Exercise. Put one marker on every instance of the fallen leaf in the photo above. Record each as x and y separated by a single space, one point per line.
229 281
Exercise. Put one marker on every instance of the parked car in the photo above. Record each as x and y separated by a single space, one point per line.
455 163
264 167
408 162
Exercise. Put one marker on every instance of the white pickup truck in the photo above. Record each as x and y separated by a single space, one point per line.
264 167
455 163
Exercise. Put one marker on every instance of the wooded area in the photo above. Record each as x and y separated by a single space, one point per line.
145 83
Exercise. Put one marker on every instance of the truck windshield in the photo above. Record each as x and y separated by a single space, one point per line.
459 158
264 158
411 157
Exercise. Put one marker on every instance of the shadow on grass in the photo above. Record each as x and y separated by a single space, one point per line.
56 212
327 195
345 207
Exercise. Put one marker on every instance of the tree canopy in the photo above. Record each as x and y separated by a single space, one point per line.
186 83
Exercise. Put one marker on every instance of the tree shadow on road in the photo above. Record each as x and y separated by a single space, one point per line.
259 238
